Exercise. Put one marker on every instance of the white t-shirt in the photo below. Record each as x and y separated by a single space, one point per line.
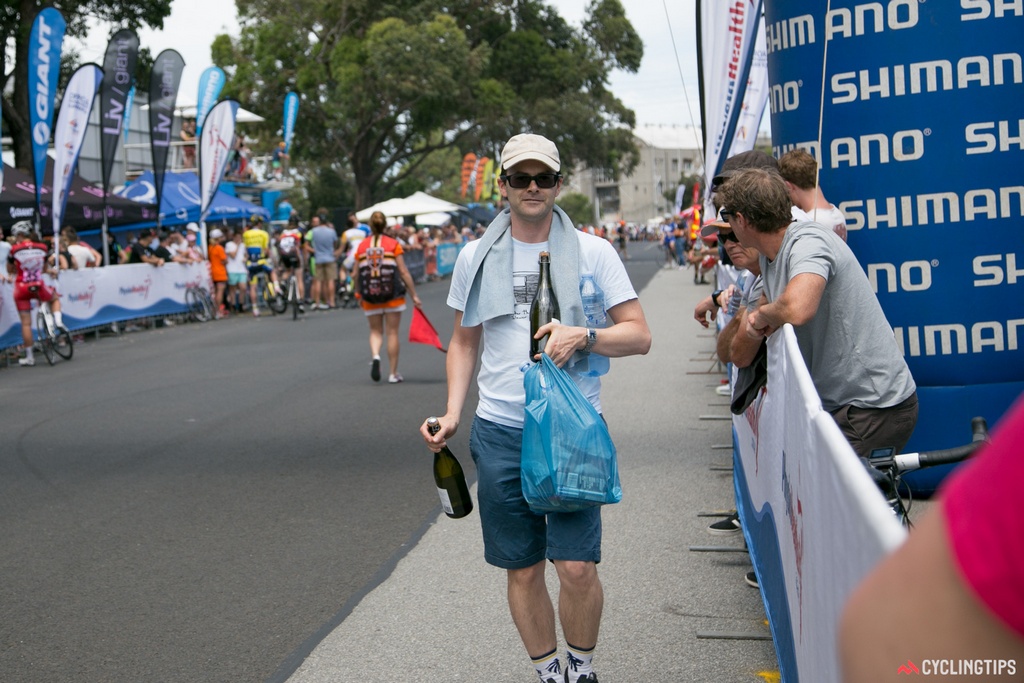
506 345
830 218
236 257
82 255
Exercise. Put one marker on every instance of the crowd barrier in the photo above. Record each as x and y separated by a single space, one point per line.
814 521
94 297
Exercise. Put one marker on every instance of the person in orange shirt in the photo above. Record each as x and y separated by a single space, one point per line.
380 266
218 270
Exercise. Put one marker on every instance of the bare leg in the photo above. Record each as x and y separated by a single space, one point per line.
393 321
531 608
376 334
580 602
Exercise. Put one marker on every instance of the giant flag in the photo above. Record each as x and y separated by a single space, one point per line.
210 85
291 112
44 45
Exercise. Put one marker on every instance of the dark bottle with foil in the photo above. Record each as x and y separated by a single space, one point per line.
544 308
450 480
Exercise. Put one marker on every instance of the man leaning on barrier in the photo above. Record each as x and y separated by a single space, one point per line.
814 282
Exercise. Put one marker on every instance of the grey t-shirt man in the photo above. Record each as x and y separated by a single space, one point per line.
324 240
848 346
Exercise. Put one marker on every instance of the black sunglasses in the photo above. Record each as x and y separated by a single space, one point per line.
729 236
521 181
726 214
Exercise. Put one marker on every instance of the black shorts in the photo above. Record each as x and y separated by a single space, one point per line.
290 261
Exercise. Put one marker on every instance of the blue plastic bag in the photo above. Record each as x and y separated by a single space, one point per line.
569 460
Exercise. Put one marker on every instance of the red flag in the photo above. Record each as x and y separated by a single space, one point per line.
422 332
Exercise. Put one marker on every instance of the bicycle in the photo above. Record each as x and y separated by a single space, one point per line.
291 289
887 468
199 304
271 297
53 339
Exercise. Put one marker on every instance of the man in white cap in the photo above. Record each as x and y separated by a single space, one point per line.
494 282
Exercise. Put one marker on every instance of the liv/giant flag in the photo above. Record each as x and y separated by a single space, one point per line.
291 112
118 78
43 70
215 149
210 85
726 31
163 93
70 131
911 91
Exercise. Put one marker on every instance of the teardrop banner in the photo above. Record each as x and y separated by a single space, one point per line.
921 146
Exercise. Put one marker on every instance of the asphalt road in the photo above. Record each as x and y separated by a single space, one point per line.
203 502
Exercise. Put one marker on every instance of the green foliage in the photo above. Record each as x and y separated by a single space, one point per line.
391 93
579 208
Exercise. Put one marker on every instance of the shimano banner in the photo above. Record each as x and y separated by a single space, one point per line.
210 85
215 149
291 112
69 132
43 70
921 147
118 78
163 93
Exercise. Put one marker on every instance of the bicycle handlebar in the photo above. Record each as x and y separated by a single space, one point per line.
907 462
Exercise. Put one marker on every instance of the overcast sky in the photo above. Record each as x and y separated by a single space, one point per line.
655 93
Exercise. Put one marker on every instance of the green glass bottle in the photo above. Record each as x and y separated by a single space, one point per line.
544 308
450 480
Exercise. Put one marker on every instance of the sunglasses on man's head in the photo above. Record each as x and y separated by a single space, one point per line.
521 181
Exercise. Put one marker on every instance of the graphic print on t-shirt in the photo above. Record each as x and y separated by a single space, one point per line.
524 287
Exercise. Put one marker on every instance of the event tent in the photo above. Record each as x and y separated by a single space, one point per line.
84 210
415 204
181 201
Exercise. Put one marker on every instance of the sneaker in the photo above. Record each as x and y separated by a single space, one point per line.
724 390
302 309
751 579
27 361
725 527
324 307
589 678
395 378
255 312
375 370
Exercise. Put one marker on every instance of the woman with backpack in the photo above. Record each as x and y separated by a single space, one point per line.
382 281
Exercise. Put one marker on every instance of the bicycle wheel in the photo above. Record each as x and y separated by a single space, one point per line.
207 300
293 297
194 305
63 344
276 300
45 338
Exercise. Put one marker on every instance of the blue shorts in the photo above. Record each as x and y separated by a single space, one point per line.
237 278
515 537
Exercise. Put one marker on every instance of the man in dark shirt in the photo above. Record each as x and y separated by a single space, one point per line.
142 252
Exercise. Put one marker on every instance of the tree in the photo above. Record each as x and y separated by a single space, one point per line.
381 95
579 208
15 28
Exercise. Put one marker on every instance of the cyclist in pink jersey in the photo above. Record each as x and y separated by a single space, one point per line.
27 262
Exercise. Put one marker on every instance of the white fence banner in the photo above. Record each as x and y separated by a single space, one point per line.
814 520
93 297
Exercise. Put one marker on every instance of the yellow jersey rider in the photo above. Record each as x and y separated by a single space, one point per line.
257 249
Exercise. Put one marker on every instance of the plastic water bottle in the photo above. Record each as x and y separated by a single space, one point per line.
593 308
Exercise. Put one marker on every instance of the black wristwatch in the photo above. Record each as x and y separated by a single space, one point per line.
591 339
714 297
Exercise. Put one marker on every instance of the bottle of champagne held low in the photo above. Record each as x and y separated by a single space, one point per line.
450 480
544 308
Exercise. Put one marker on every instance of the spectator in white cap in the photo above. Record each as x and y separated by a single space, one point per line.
494 282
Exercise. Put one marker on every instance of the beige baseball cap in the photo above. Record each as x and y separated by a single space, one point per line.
530 147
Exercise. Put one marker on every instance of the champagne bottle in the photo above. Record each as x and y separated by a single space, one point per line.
544 308
450 480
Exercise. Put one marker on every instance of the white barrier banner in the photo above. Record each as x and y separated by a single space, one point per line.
814 520
92 297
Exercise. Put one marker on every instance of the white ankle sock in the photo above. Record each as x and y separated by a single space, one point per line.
578 662
548 667
58 318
